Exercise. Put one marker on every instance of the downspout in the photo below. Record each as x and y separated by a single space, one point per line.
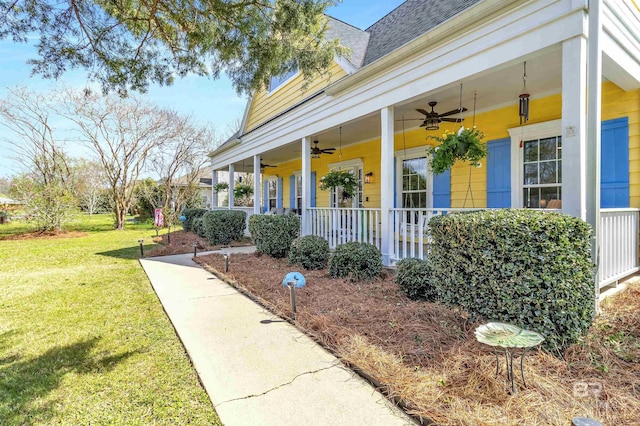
594 112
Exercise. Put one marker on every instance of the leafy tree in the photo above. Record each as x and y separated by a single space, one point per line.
128 44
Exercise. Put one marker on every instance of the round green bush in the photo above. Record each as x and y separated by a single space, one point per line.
310 251
357 261
196 227
273 234
223 226
189 216
415 278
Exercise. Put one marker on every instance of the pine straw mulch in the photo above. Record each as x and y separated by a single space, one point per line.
182 243
44 235
425 356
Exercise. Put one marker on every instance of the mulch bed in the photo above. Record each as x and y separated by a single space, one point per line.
425 356
182 243
44 235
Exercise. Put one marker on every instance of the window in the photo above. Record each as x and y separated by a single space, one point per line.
272 197
414 183
542 172
281 79
298 194
536 165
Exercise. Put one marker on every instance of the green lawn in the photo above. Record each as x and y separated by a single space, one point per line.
83 337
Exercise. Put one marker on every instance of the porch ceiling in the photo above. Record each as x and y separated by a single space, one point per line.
494 89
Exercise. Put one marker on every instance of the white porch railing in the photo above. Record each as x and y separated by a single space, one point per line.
339 226
247 210
410 231
618 244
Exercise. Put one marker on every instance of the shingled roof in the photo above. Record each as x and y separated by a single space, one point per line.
408 21
350 37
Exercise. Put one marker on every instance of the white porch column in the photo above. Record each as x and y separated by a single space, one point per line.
214 193
594 115
574 127
386 183
231 185
257 185
306 185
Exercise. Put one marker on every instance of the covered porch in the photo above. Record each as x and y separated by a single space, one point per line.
371 120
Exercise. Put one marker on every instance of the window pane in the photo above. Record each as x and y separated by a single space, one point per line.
273 188
548 194
530 151
405 183
548 172
531 174
548 149
560 171
531 198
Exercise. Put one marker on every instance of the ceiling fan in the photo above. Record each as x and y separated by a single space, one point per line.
316 151
433 119
262 165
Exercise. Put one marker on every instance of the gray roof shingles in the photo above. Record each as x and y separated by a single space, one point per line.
408 21
350 37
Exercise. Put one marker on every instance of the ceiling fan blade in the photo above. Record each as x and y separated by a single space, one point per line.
452 120
329 149
424 124
453 111
410 119
327 152
421 111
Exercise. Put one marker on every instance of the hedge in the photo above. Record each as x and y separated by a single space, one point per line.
197 228
529 268
190 215
310 251
223 226
273 234
356 261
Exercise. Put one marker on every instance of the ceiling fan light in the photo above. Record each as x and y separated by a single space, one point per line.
432 123
314 155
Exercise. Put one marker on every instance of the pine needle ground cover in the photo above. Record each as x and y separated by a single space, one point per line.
83 337
425 355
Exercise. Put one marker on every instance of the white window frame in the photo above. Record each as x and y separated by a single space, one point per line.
356 163
543 130
271 179
412 154
297 175
282 83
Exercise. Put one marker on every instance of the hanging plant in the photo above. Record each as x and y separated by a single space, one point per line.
464 145
340 179
242 190
221 186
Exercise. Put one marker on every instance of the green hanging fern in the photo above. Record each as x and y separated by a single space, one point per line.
340 178
464 145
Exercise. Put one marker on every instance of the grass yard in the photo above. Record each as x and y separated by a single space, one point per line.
83 337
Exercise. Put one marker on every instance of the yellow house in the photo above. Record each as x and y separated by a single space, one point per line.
435 65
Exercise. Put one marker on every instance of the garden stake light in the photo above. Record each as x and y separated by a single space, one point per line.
292 292
195 249
169 236
293 280
226 262
141 248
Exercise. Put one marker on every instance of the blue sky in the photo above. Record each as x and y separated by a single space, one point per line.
209 101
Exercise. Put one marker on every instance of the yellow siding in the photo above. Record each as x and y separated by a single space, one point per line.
265 106
615 104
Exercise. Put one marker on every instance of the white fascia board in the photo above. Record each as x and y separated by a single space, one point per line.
245 116
620 43
526 30
345 64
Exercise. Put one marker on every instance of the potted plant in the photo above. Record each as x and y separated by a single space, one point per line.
464 145
242 190
340 179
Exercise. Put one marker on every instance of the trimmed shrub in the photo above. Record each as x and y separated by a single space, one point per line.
310 251
415 278
190 215
223 226
357 261
197 228
273 234
529 268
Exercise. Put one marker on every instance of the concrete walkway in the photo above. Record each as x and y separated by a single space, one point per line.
256 368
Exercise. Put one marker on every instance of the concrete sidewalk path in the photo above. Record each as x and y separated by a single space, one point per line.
256 368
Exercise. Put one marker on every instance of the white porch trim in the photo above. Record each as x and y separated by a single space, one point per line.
306 185
257 185
386 182
232 184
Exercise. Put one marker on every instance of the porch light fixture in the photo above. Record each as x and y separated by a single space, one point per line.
524 99
315 153
368 178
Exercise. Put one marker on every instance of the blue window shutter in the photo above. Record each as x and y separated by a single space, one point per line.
312 201
614 163
265 196
279 199
292 192
499 173
442 190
